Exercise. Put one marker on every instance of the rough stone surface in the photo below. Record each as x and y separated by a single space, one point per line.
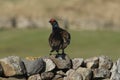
101 73
12 66
34 66
61 61
73 75
105 79
92 63
77 62
1 70
60 72
86 73
47 75
59 67
116 70
49 64
58 77
105 62
12 78
35 77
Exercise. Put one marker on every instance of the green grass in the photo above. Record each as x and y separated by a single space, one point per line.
34 42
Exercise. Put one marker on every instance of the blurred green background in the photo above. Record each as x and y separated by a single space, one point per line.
34 42
93 24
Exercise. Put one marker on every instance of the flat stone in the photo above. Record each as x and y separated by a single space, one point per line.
34 66
105 62
47 75
86 73
105 79
116 70
58 77
12 66
1 71
72 75
77 62
60 72
62 61
101 73
12 78
92 63
35 77
49 64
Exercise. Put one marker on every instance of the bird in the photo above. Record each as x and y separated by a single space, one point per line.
59 38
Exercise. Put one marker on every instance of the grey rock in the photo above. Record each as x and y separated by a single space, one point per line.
101 73
92 63
77 62
34 66
73 75
12 66
62 61
1 70
105 62
47 75
60 72
49 64
116 70
86 73
35 77
106 79
12 78
58 77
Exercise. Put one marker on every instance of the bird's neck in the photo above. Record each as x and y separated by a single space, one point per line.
55 27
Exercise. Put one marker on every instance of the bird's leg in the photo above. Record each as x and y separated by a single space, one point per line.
57 51
63 51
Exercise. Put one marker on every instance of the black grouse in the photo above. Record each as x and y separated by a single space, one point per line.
59 38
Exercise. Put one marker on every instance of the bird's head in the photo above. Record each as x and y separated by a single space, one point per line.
54 23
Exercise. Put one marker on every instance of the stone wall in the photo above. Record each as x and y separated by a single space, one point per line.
59 67
82 23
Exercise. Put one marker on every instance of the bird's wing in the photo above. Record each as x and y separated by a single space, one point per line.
66 36
54 41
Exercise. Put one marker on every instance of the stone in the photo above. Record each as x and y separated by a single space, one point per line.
1 70
86 73
92 63
101 73
34 66
35 77
105 79
12 66
13 78
47 75
77 62
62 61
116 71
49 64
58 77
105 62
72 75
61 73
31 58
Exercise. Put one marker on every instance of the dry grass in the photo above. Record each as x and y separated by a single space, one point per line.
74 10
107 9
